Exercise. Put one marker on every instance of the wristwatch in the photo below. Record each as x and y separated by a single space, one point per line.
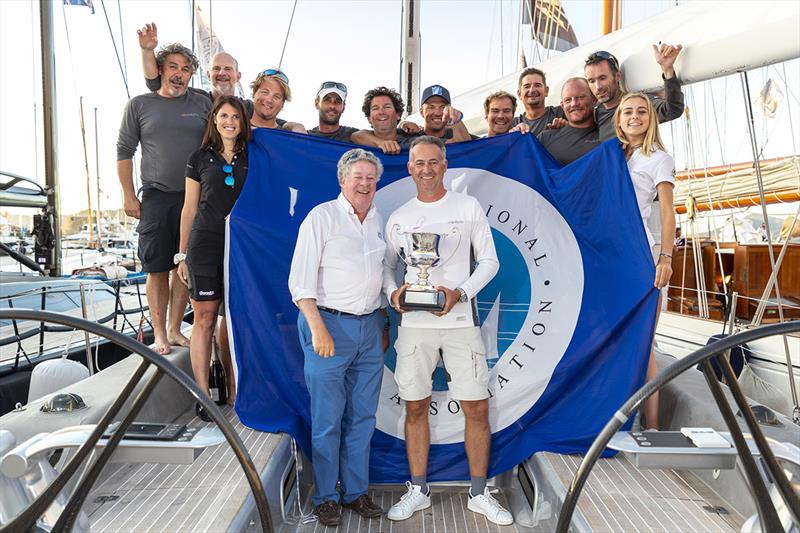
463 298
177 258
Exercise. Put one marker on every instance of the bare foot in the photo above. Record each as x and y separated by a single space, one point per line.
178 339
161 346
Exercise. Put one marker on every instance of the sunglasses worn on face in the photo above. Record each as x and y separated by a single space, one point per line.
602 54
228 169
334 85
276 73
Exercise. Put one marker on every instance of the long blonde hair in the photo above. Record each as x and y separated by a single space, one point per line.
652 138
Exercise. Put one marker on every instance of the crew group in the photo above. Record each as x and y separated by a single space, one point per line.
194 164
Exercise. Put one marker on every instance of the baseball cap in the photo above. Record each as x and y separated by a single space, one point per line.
435 90
328 87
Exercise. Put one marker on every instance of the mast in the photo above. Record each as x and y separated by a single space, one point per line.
53 209
88 179
612 16
409 73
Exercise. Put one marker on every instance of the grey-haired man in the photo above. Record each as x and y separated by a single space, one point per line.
335 280
169 125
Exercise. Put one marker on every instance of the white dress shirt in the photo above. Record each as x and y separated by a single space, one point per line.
338 260
454 215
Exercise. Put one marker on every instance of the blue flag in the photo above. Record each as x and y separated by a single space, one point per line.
87 3
567 321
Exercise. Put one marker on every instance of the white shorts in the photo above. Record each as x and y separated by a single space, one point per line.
464 358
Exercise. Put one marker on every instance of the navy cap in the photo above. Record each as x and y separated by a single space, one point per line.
435 90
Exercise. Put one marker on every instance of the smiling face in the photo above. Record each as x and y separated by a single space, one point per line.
603 82
175 75
382 116
268 99
634 119
433 113
532 91
330 109
578 103
501 114
427 166
224 74
228 123
359 186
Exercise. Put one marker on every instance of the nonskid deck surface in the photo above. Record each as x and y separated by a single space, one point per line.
620 497
448 514
202 496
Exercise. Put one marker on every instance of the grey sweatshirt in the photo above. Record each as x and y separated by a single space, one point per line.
169 130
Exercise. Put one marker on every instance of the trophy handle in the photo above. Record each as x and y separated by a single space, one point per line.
396 230
455 230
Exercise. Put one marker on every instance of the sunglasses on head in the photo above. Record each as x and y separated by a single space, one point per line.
228 169
333 85
603 55
276 73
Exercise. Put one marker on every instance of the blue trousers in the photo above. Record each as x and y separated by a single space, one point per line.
344 398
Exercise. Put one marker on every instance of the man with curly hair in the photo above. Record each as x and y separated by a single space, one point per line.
383 107
169 126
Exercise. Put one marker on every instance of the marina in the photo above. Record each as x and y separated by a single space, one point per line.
123 446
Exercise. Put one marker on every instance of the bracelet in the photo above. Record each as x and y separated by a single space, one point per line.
662 254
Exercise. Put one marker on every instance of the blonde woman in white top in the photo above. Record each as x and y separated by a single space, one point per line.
652 172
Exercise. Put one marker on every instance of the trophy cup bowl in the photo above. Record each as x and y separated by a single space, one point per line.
421 251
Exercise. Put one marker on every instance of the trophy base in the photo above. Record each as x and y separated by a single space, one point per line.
422 300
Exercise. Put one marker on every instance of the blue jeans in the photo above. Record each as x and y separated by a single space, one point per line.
344 398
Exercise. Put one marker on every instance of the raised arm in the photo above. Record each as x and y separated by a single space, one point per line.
148 40
672 105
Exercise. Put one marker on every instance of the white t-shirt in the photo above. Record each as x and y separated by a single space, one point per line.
646 174
454 215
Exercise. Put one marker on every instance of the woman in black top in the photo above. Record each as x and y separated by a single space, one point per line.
215 175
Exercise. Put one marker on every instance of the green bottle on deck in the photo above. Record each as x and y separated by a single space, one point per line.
217 384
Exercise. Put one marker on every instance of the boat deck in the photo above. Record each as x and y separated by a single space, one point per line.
207 495
212 495
620 497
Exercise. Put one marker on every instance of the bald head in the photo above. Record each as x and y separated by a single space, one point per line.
223 72
578 102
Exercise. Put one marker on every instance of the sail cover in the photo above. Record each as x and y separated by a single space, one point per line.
566 321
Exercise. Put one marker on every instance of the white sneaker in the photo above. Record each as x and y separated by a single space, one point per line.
486 505
410 502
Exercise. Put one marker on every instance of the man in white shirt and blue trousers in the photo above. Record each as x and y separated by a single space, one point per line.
335 281
452 331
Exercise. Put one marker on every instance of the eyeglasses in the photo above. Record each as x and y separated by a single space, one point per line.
333 85
276 73
603 55
228 169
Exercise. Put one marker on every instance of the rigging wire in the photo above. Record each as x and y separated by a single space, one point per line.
788 107
502 47
122 42
288 30
116 51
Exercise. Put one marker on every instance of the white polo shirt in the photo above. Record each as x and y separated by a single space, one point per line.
338 260
453 215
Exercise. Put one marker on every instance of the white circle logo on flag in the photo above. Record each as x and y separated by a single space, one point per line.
528 312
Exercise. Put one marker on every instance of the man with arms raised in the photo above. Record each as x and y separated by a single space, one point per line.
335 280
532 92
579 136
454 331
169 125
223 71
603 74
442 120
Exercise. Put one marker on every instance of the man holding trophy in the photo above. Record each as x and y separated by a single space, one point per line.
445 243
335 280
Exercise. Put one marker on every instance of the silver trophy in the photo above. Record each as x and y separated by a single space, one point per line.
421 251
